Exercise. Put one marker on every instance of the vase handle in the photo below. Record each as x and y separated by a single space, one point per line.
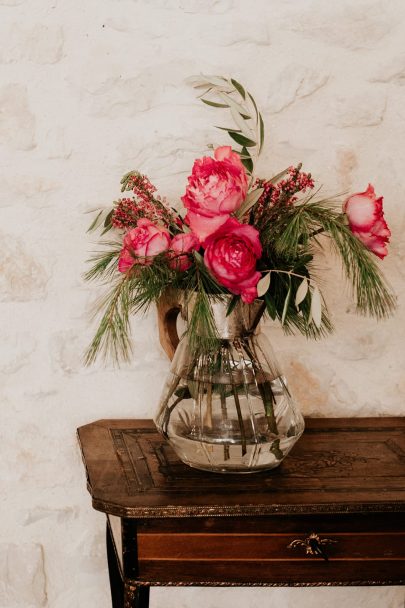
168 309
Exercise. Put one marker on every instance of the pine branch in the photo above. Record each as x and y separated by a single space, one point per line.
104 263
298 225
112 336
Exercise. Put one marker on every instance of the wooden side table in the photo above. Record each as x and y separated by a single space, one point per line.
332 514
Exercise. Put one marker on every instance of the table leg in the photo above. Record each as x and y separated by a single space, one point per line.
116 582
136 596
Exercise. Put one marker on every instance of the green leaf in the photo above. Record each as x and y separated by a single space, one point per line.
214 104
278 176
228 129
261 128
248 164
95 222
242 124
254 104
107 221
316 307
250 200
231 102
239 88
241 154
301 292
247 160
263 285
286 303
106 229
242 140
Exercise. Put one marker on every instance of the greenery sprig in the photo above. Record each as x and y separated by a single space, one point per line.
289 223
229 94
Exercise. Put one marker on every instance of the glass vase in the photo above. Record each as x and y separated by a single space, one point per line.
229 410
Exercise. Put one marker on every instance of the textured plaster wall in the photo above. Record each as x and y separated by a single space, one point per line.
91 89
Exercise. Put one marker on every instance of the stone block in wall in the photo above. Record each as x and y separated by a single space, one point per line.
363 109
17 123
40 44
345 24
22 277
16 351
22 576
292 83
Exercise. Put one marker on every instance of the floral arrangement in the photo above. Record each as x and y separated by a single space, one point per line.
238 234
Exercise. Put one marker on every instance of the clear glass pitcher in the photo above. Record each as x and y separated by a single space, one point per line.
229 411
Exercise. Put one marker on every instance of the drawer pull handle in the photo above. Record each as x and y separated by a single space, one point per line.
313 545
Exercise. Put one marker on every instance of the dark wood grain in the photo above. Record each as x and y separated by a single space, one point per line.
344 481
296 572
339 465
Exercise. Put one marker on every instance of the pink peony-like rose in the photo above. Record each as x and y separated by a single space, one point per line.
142 243
231 254
216 188
181 245
366 220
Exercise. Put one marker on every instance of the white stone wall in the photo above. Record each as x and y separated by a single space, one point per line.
91 89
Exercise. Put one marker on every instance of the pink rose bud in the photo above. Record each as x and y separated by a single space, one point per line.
216 188
181 245
231 254
366 220
142 244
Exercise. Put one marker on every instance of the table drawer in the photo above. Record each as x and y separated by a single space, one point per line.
270 547
228 550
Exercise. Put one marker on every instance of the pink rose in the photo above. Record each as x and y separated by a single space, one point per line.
142 243
181 245
216 188
366 220
231 254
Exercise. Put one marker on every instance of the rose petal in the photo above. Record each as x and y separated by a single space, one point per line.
203 226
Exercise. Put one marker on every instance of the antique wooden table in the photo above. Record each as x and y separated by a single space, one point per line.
332 514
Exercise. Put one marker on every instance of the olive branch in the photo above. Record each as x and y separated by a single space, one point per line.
228 93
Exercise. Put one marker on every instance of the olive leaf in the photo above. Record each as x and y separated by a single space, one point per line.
228 129
261 131
242 140
278 176
286 303
316 307
263 285
250 200
224 93
239 88
234 104
244 153
97 220
301 292
241 123
214 104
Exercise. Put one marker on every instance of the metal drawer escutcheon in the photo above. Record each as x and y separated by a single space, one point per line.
313 545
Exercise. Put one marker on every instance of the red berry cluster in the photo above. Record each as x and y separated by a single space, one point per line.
284 191
128 211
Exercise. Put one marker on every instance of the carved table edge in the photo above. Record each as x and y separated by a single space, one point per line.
354 583
242 511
